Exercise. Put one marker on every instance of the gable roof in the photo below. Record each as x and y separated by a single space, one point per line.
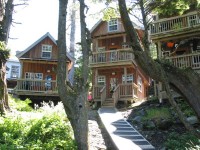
20 54
100 21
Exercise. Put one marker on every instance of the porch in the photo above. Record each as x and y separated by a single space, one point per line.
122 92
111 57
175 25
36 87
187 60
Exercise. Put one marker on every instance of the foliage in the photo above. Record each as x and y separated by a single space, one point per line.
168 8
182 141
20 105
110 13
40 131
186 108
4 52
157 113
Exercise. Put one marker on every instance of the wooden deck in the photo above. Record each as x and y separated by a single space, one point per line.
112 58
187 60
36 87
122 92
179 25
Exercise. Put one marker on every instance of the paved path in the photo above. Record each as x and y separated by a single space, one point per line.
123 135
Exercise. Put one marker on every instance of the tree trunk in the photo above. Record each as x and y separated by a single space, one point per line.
74 101
6 11
72 40
166 74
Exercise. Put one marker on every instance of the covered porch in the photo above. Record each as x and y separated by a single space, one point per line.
36 87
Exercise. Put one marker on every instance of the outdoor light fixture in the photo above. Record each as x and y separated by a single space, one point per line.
113 73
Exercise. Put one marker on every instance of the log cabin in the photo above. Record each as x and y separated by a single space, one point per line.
115 74
38 68
178 41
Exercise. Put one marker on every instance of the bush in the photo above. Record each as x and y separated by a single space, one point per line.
51 131
20 105
182 141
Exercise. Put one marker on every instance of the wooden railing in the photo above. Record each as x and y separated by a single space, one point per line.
111 56
103 94
184 61
116 94
96 91
36 85
175 23
129 89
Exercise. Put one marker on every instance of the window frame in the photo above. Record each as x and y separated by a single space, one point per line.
46 49
101 79
14 72
128 80
113 23
140 84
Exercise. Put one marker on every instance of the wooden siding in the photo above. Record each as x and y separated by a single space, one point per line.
36 51
102 29
40 68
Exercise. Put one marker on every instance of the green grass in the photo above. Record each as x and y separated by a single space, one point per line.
157 113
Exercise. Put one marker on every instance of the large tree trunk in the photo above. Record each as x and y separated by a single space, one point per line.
6 11
72 40
164 73
74 101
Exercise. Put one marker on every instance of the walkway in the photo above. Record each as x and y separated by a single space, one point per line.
123 135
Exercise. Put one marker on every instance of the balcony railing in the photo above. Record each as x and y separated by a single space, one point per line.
184 61
128 90
111 56
29 85
175 23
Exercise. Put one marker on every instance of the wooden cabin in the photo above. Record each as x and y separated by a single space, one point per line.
178 40
38 68
115 74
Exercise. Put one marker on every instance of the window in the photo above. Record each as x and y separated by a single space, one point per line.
129 78
46 51
139 84
101 80
112 25
31 75
38 76
14 71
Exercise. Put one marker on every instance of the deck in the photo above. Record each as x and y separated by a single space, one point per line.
112 58
122 92
36 87
180 26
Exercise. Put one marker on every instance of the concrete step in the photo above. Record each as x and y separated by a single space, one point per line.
124 136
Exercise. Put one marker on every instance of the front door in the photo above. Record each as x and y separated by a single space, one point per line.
113 84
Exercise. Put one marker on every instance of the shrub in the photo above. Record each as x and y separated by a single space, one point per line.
182 141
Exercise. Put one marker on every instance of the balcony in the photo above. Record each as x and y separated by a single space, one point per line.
175 25
185 61
36 87
111 58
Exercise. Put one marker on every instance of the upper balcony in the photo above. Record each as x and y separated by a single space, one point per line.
111 58
179 25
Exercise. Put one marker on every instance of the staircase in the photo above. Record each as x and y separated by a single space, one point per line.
109 102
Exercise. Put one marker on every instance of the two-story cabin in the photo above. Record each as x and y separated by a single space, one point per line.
115 74
178 40
38 68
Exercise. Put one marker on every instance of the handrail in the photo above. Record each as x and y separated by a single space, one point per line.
36 85
186 60
116 94
103 94
175 23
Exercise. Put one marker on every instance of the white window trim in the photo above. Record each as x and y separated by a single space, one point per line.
46 50
101 79
140 84
13 71
32 75
117 24
127 78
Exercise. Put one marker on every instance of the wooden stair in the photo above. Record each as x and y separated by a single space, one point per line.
109 102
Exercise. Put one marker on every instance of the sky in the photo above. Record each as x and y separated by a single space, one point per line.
36 19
